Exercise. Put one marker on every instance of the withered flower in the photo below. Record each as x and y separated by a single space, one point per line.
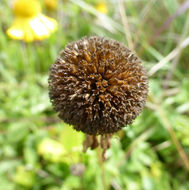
98 86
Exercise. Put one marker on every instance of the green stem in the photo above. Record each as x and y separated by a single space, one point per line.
99 152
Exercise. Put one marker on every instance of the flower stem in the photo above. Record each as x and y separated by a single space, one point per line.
101 163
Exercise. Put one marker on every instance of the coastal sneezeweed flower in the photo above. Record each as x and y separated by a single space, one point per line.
29 23
51 5
102 8
98 86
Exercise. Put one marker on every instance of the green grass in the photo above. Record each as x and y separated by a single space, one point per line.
151 154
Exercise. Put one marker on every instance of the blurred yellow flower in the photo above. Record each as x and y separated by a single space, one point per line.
102 8
67 148
29 23
51 150
24 176
51 4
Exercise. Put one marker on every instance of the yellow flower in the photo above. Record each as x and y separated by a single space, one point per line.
29 23
102 8
51 4
51 150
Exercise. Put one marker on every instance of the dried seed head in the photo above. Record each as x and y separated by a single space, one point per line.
97 85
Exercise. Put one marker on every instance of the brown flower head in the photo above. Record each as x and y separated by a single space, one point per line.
97 85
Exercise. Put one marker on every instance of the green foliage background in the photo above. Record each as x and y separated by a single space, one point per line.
38 151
